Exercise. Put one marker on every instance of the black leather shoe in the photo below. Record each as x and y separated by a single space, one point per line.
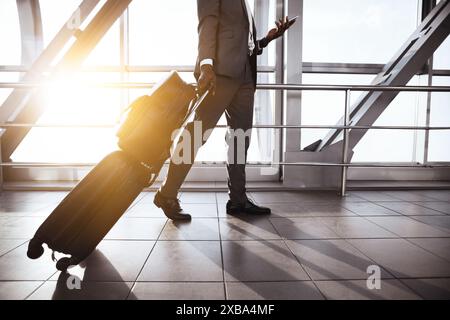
171 207
248 207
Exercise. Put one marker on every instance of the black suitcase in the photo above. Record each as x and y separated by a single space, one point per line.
91 209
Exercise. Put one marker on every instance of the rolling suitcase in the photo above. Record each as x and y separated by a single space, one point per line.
90 210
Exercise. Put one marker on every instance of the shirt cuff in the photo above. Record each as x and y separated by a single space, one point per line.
206 61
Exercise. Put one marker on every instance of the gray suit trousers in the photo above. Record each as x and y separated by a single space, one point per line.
235 97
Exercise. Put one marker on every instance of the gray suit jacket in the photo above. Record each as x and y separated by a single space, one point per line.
223 36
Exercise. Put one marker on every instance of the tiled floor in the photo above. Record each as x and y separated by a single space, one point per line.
315 245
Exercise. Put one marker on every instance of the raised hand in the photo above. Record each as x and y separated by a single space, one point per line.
281 26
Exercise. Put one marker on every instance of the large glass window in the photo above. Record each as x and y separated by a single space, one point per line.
440 116
344 31
407 109
442 56
325 107
149 43
10 54
68 104
356 31
153 42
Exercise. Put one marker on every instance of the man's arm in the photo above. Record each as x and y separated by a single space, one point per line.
281 26
208 21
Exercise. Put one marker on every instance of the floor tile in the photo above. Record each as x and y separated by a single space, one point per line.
137 229
144 210
22 208
222 197
184 261
201 210
326 197
408 208
369 209
196 210
332 260
196 229
247 228
16 266
403 259
17 290
432 289
260 261
438 222
441 206
21 196
288 290
303 228
374 196
198 197
414 195
113 261
358 290
178 291
438 246
58 290
19 227
442 195
7 245
145 198
53 196
355 227
276 196
407 227
325 210
286 210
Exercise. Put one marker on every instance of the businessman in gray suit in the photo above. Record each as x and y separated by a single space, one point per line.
226 66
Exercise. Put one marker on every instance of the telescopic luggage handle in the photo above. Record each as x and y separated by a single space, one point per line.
195 103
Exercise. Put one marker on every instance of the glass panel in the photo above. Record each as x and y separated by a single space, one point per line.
54 15
356 31
68 104
107 51
9 33
174 46
265 17
441 58
407 109
440 116
325 107
7 77
148 46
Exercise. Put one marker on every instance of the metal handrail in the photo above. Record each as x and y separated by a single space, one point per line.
254 164
262 126
128 68
266 86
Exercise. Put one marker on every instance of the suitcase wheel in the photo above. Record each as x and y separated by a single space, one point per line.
35 249
63 264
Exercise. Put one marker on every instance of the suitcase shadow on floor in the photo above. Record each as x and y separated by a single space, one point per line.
99 280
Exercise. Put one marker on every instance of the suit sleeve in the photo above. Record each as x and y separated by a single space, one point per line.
208 21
